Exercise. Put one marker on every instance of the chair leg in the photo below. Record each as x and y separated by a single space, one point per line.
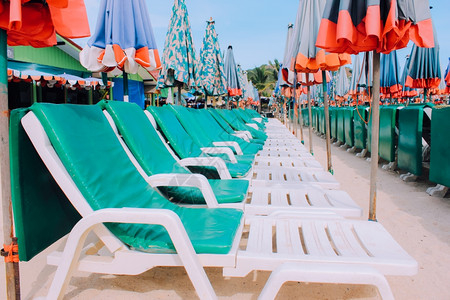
325 273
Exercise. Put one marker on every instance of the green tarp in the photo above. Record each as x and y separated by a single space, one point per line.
440 146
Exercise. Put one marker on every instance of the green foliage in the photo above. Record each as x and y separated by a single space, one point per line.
265 77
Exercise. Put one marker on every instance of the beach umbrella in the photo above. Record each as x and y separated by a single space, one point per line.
27 23
180 67
407 92
287 76
307 58
233 85
424 70
123 40
211 64
351 26
361 76
35 23
241 80
447 74
390 76
342 84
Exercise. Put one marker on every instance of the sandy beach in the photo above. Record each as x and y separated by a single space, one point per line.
419 223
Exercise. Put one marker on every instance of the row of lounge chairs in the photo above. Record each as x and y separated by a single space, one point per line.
172 186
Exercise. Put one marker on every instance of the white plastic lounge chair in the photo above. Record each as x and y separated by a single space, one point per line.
272 241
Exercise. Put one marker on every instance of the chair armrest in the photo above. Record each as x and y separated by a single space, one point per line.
188 180
259 120
252 125
246 132
242 136
215 162
234 145
220 150
164 217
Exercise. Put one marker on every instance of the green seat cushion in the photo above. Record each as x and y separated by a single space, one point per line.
226 191
238 170
179 139
105 176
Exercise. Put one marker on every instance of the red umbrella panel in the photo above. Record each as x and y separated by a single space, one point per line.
353 26
309 79
35 23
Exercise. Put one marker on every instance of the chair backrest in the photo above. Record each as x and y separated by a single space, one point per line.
220 120
141 138
81 143
198 132
179 139
35 195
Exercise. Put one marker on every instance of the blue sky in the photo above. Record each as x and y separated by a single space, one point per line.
256 29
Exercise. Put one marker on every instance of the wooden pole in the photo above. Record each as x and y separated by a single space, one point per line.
327 122
125 87
12 269
375 133
310 121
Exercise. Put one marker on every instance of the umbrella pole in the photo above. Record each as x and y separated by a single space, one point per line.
295 117
179 95
300 122
125 87
310 121
375 135
327 122
11 268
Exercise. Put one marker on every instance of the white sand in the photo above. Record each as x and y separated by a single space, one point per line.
421 224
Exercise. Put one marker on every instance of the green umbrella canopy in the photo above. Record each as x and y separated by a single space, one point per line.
390 75
287 74
211 63
424 70
242 79
179 62
342 84
233 85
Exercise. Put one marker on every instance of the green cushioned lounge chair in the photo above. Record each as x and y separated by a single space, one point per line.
186 147
205 138
237 124
153 156
205 119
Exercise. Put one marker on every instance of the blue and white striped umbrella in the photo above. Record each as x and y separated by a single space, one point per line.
123 39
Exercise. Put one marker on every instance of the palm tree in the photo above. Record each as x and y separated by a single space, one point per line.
274 68
259 76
